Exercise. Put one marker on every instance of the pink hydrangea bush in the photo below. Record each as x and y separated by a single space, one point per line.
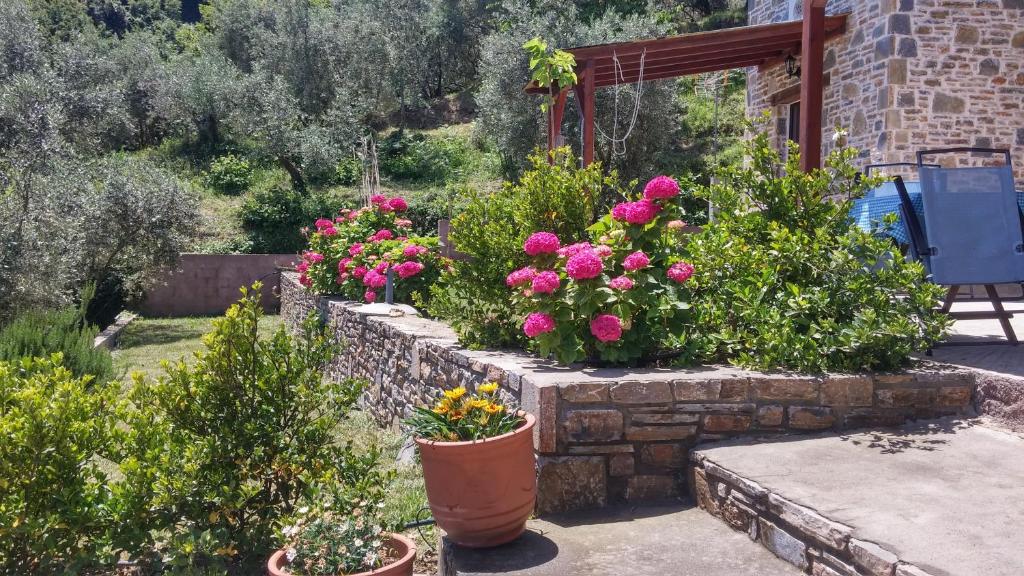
352 254
620 298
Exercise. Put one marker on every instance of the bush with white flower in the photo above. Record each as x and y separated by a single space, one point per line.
619 298
351 255
329 544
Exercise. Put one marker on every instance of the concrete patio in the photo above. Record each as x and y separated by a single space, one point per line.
938 495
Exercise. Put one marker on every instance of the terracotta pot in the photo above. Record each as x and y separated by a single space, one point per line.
404 548
481 493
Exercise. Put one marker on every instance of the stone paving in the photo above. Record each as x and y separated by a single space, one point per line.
938 497
994 357
666 540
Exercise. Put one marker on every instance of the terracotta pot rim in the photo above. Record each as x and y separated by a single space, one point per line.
525 427
276 564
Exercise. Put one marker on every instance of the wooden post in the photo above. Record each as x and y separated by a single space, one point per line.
588 112
555 122
812 58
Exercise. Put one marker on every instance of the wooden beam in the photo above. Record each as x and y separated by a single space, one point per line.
555 122
682 68
791 94
812 58
629 78
588 112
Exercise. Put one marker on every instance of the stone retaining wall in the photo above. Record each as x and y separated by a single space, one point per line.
612 435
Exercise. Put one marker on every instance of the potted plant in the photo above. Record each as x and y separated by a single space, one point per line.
478 466
353 544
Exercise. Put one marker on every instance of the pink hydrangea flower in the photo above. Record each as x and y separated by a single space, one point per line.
414 250
676 225
408 269
574 249
382 267
520 277
584 266
375 279
329 231
403 223
603 251
305 281
636 261
680 272
538 323
355 249
546 282
313 257
382 234
359 272
398 204
341 279
322 223
369 296
343 265
621 283
302 267
660 188
541 243
378 199
640 212
606 328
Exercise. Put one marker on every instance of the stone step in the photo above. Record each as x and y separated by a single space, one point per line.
940 498
663 540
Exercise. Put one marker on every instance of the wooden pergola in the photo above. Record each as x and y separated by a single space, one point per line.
675 56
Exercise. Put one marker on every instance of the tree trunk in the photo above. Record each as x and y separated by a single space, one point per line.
298 182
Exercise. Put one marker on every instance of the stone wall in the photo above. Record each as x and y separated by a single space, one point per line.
605 436
911 74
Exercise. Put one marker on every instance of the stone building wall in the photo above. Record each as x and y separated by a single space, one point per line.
605 436
912 74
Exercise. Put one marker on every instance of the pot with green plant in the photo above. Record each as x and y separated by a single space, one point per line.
326 544
478 465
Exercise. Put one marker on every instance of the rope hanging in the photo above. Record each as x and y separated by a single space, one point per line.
619 144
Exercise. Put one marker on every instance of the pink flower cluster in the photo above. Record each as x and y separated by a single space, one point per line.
408 269
680 272
520 277
385 204
606 328
584 265
414 251
541 243
383 234
640 212
636 261
661 188
538 323
621 283
546 282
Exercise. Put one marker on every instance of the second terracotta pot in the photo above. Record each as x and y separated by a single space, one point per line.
481 493
403 548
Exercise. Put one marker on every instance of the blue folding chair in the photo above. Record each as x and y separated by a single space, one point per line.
868 211
973 230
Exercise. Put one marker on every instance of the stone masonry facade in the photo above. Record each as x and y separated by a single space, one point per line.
909 75
799 535
606 436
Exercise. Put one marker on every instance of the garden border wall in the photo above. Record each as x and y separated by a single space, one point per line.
610 435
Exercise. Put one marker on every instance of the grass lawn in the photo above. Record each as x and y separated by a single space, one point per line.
146 342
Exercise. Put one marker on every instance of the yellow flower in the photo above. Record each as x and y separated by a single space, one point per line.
442 408
493 408
455 415
455 394
489 388
478 403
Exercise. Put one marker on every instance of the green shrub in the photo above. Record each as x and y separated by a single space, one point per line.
415 157
785 281
428 206
491 229
231 444
40 333
349 171
229 174
273 218
52 491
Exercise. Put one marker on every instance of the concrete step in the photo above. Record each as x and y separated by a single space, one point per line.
666 540
941 497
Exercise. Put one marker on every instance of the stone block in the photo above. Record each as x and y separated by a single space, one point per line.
651 418
735 390
745 408
726 423
811 418
872 558
989 67
689 391
567 483
1018 40
641 393
786 389
897 71
602 449
702 492
953 397
782 544
621 465
966 34
654 433
739 515
584 393
769 416
752 489
645 488
906 397
663 455
899 24
810 523
592 425
947 104
847 391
